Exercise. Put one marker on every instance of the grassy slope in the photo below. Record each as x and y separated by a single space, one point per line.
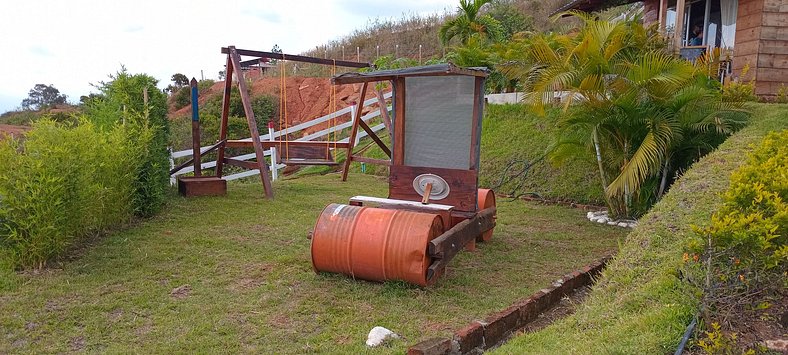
247 262
511 132
641 306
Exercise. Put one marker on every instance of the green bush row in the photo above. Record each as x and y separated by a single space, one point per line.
751 228
63 183
745 247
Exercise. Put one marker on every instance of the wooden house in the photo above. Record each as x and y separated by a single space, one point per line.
751 33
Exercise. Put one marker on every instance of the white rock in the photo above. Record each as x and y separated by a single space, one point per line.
623 224
590 215
379 335
601 220
612 223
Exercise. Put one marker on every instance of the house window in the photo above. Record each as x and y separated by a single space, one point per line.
709 23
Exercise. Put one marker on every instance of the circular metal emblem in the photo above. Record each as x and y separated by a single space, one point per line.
440 188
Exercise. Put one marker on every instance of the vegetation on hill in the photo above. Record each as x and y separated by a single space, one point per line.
643 301
416 37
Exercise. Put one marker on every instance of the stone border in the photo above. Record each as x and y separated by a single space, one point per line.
497 328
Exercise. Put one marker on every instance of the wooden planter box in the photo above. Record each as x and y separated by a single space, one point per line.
202 186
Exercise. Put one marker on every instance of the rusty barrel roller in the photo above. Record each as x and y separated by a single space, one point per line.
374 243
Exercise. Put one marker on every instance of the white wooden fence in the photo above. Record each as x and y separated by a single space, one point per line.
273 135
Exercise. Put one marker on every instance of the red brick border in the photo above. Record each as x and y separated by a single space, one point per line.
493 330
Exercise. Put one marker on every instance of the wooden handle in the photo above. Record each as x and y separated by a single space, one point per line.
427 191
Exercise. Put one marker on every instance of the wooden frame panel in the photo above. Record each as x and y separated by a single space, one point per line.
462 185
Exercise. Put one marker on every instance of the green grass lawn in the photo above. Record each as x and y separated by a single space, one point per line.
251 287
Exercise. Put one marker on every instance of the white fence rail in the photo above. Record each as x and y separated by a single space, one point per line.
273 135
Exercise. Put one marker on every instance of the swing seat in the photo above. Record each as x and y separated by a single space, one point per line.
306 155
297 161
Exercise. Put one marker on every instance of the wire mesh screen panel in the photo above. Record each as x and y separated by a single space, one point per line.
438 119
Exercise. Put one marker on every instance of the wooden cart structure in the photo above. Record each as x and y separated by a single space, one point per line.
434 208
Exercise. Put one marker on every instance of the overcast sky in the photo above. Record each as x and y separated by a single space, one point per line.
72 43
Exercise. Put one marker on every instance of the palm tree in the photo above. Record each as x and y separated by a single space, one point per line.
470 22
637 108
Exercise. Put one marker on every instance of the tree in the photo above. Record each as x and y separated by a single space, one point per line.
469 21
42 96
644 114
179 80
511 19
222 74
275 49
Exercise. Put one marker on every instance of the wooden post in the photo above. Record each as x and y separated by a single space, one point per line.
663 13
250 120
228 83
398 157
478 87
353 131
195 130
384 112
679 31
274 170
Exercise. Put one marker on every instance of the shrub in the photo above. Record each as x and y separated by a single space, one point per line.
745 248
182 97
741 89
749 234
782 94
63 183
265 108
122 100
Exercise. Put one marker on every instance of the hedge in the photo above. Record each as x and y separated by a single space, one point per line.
61 184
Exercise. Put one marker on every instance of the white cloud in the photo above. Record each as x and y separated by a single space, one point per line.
74 43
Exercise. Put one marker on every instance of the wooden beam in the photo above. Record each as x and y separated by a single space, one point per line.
448 244
293 161
679 30
228 82
195 128
478 86
375 137
186 163
250 120
384 112
295 58
353 131
663 13
278 144
398 157
251 165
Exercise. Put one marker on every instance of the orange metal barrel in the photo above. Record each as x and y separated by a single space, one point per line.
374 243
485 199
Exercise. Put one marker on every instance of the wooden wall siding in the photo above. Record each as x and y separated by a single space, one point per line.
748 35
762 41
773 52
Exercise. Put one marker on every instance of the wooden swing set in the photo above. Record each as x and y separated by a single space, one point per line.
289 152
